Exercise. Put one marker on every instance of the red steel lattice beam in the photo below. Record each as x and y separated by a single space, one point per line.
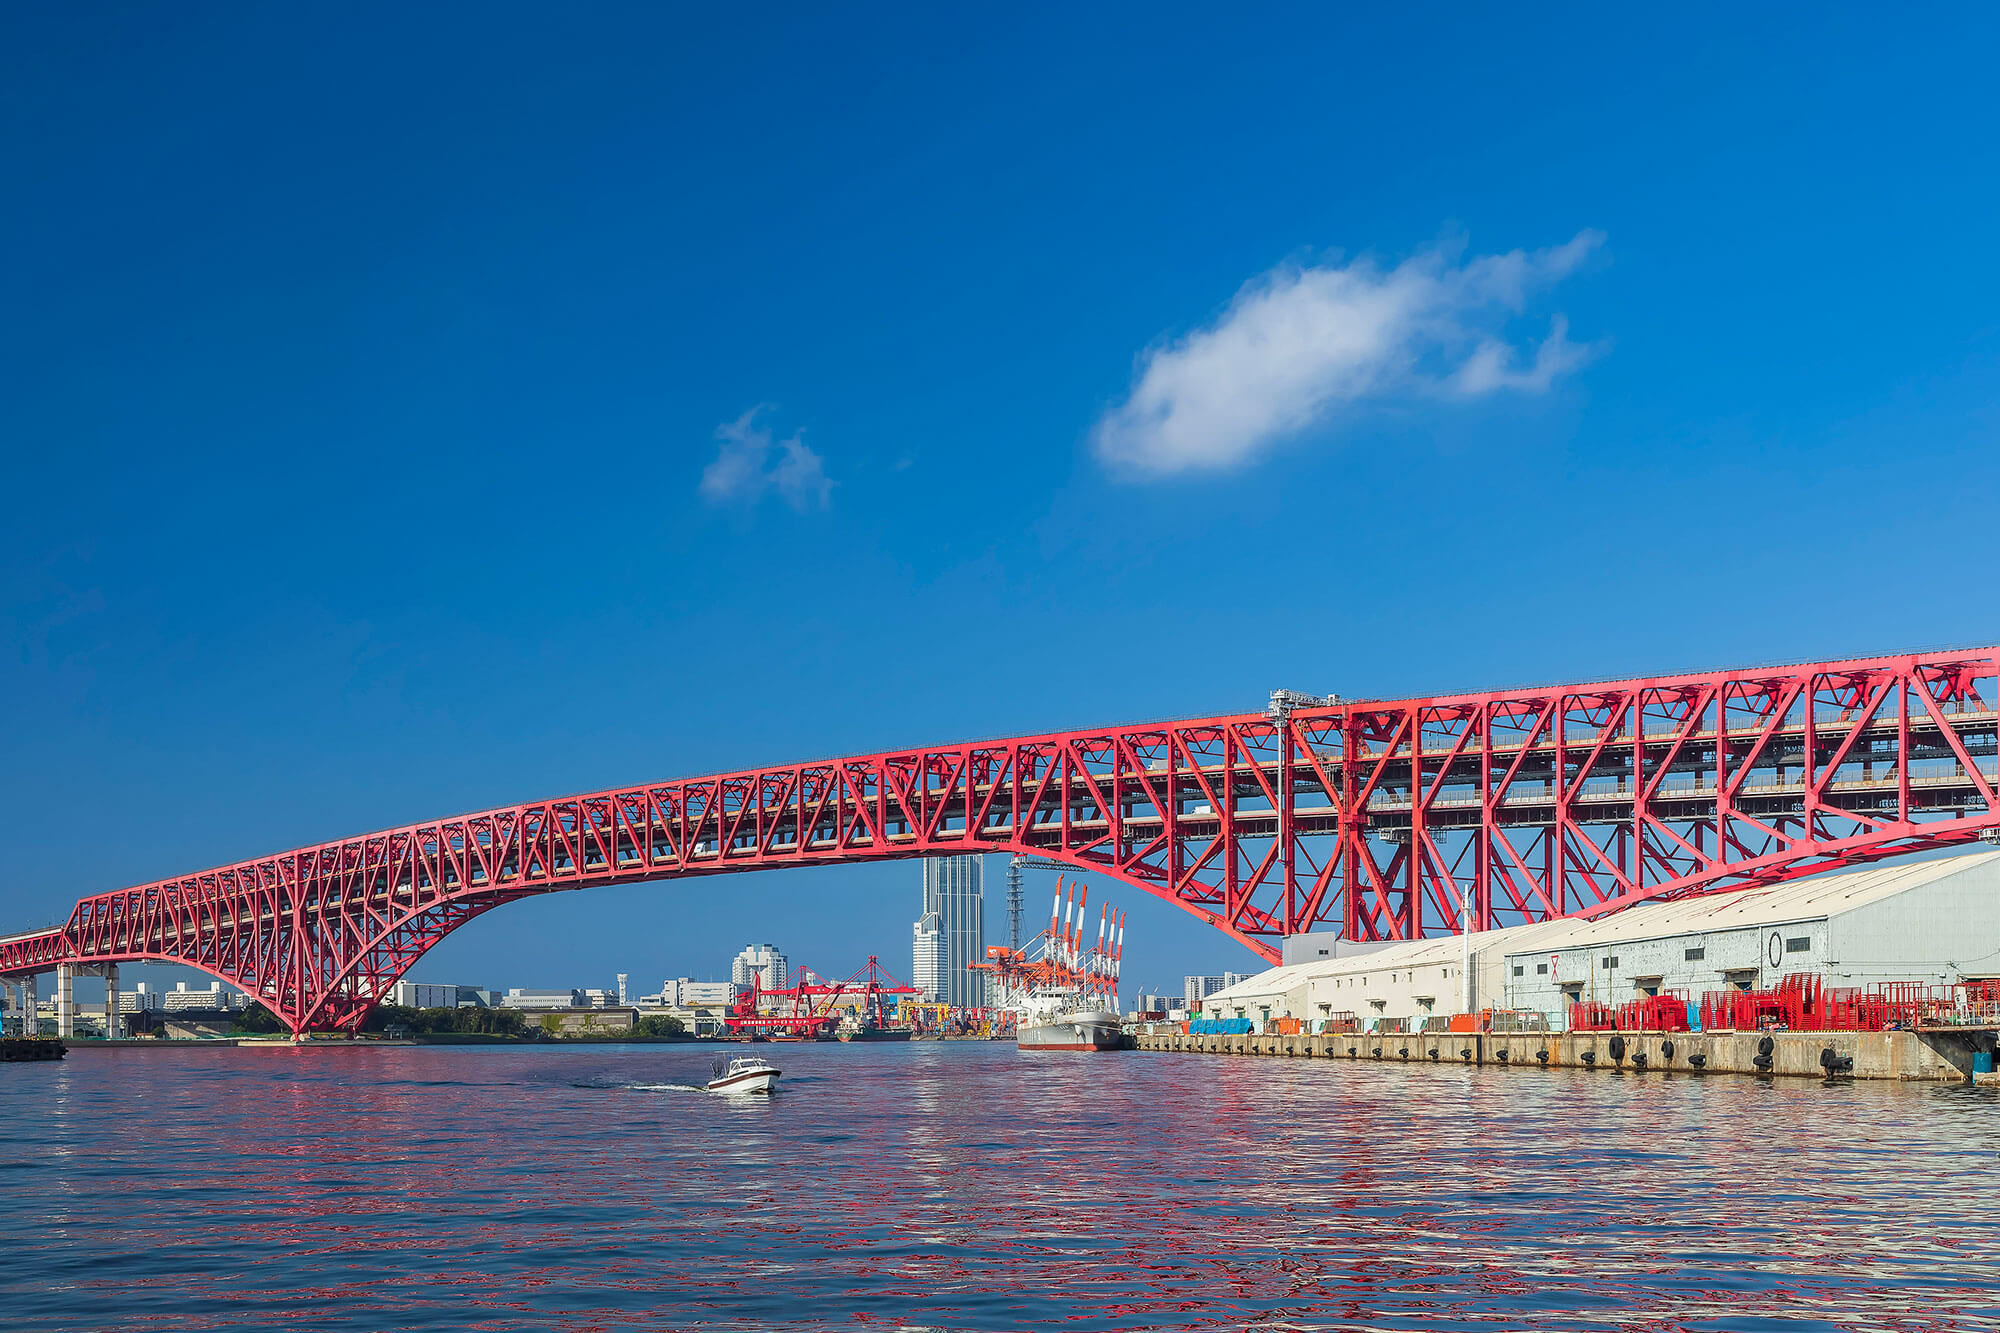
1383 820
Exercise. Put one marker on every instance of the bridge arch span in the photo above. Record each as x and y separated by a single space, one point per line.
1380 820
345 995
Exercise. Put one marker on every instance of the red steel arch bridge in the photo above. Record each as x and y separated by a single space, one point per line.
1378 819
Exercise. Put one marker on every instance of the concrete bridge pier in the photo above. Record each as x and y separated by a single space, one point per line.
114 1027
65 1001
21 1003
66 975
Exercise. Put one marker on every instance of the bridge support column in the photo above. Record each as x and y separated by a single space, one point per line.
114 1028
65 1001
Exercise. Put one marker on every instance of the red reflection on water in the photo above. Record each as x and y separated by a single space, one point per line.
964 1185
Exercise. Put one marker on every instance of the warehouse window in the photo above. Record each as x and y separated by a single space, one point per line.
1611 961
1519 970
1693 955
1541 969
1801 944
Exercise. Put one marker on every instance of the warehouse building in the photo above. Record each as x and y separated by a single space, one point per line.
1935 921
1388 984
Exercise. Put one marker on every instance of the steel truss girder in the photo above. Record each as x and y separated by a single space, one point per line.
1384 820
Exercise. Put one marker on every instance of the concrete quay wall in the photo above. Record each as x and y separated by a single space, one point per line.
1925 1056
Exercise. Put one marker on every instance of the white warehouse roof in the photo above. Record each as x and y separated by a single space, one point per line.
1800 900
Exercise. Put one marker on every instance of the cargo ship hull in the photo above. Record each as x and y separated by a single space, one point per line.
1073 1032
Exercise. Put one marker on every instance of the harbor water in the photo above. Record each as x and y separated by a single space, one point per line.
972 1186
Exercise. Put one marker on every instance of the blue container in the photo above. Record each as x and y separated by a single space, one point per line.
1219 1027
1982 1062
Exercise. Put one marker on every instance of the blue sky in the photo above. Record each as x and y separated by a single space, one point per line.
408 412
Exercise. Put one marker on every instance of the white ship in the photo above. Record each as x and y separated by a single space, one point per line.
1061 995
1072 1030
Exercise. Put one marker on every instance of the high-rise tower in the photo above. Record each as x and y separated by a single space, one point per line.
761 965
951 933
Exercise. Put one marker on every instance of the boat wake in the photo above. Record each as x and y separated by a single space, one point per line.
607 1085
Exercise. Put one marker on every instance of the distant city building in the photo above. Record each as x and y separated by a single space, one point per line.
1197 989
180 999
950 935
763 965
423 995
928 956
621 988
519 998
595 998
682 993
142 999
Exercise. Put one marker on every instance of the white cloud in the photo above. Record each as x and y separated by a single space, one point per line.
1297 345
750 464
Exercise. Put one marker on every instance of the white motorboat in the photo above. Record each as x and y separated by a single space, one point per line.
745 1074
